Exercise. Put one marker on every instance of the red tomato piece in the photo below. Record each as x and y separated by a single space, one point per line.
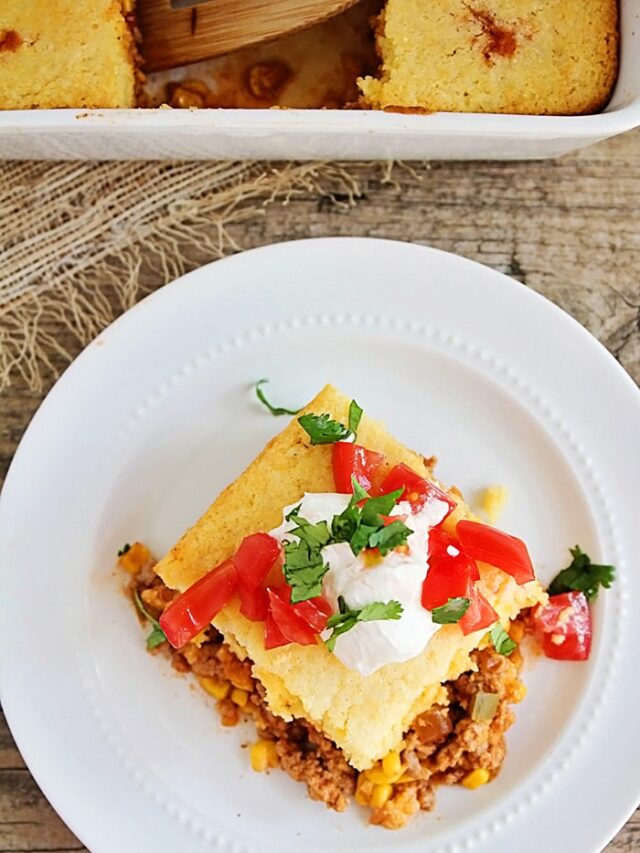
314 611
193 610
255 558
479 615
488 545
273 636
291 625
353 460
254 603
451 574
416 489
564 625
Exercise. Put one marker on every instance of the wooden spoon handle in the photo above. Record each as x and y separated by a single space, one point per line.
178 36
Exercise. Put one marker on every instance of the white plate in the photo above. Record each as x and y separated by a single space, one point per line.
156 416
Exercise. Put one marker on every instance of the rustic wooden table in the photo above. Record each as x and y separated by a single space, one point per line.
569 229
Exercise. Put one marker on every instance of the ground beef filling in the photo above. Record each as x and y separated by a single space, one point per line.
442 747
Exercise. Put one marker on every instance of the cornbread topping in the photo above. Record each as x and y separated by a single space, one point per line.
363 580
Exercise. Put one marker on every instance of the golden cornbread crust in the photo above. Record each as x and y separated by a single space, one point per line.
366 716
537 57
67 53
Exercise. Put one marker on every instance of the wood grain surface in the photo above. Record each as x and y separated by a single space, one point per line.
570 229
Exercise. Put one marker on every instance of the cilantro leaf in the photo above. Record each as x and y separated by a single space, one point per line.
346 618
582 575
156 638
157 635
345 624
359 494
382 505
322 429
380 610
363 526
293 513
387 538
275 410
355 416
304 569
344 526
126 547
451 612
315 535
502 642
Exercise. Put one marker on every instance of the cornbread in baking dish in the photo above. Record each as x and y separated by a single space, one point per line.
541 57
365 716
67 53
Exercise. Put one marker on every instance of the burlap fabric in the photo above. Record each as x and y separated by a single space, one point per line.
74 237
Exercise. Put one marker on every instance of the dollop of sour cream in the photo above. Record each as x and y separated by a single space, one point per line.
396 577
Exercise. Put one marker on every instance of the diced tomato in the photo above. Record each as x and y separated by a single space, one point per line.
254 603
291 625
564 625
273 636
488 545
314 611
416 489
479 615
451 574
353 460
193 610
255 558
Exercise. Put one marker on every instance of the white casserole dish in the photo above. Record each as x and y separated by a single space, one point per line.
323 134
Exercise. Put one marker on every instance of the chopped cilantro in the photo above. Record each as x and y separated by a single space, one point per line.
315 535
346 618
363 526
355 416
322 429
304 569
124 549
387 538
275 410
359 494
582 575
157 635
451 612
502 642
293 513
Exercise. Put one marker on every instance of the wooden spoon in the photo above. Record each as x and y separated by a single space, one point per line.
176 32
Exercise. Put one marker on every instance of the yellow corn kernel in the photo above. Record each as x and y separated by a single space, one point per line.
261 755
517 692
218 689
376 775
380 795
272 754
476 778
364 789
240 697
392 766
134 558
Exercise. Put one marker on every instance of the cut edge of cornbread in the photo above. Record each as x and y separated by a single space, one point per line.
494 56
366 716
69 55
